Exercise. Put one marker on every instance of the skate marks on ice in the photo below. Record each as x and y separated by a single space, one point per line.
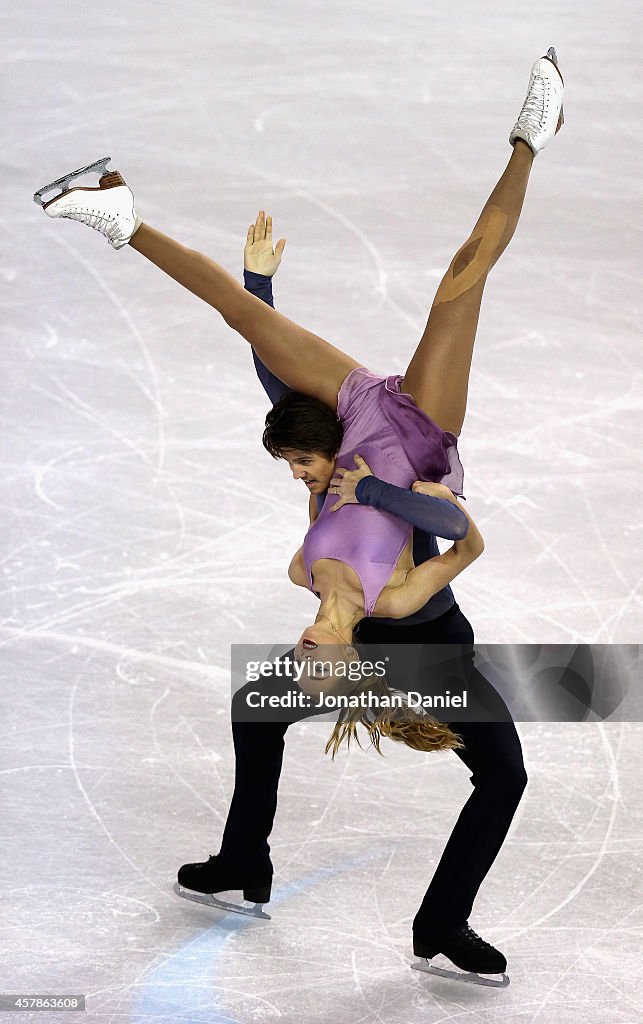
246 908
453 974
249 909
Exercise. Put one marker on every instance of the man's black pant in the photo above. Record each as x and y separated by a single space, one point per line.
492 753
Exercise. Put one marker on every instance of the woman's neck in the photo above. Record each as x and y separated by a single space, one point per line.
341 610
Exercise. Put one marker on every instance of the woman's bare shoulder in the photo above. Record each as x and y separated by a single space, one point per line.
297 569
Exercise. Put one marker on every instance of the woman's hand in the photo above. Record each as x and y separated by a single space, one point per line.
435 490
258 254
345 484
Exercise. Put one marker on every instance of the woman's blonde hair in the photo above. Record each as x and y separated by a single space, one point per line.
400 723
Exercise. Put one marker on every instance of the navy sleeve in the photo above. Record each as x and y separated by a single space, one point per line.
432 515
261 286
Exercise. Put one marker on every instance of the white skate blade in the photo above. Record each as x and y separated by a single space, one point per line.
487 980
209 900
99 167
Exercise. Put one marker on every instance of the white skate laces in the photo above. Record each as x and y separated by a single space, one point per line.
108 209
542 112
109 224
532 115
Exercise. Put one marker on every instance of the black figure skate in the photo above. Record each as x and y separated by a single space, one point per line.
478 962
202 882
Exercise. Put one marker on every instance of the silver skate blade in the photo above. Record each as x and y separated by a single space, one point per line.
487 980
209 900
99 166
553 57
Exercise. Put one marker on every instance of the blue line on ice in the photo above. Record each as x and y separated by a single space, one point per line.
180 990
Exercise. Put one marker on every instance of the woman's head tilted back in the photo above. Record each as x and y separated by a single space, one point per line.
327 656
306 433
348 671
385 718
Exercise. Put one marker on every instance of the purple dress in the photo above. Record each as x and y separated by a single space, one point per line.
401 444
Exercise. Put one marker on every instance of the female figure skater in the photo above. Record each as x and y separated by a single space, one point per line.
436 379
358 562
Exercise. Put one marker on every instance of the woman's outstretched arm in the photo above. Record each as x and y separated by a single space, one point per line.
304 361
427 579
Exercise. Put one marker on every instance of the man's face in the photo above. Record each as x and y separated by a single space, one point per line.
312 467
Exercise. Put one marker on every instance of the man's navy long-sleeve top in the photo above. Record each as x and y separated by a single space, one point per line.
430 514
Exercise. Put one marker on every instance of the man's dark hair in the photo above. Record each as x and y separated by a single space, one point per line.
302 423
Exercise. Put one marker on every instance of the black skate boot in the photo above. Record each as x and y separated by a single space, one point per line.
200 882
466 950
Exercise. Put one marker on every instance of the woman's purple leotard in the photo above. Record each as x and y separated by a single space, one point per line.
401 444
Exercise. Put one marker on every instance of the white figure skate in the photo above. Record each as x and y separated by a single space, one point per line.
248 909
108 208
542 112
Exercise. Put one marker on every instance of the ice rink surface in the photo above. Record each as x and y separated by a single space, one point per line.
145 529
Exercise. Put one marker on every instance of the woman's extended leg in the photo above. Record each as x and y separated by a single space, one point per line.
438 374
304 361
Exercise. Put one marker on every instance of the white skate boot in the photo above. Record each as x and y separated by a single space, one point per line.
108 208
542 112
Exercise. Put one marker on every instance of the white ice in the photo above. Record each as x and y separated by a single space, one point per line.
145 529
